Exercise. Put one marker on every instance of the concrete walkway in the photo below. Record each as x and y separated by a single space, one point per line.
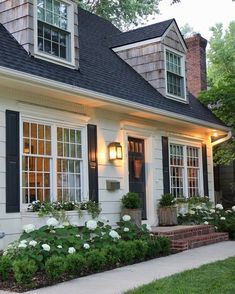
122 279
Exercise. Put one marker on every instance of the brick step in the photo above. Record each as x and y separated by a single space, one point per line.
185 232
197 241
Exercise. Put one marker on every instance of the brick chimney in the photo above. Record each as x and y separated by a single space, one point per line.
196 64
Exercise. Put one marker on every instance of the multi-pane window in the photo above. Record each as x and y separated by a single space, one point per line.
177 170
69 150
51 173
174 75
36 162
184 170
54 36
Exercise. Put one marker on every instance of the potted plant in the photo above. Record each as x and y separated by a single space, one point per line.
131 207
167 212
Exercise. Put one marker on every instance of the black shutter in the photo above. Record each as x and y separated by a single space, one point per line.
165 165
92 162
205 170
12 162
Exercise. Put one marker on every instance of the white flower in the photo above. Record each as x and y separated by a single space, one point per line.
233 208
4 253
198 207
66 224
212 210
33 243
23 241
148 227
228 211
114 234
206 223
126 218
29 228
59 246
22 245
91 225
86 246
71 250
46 247
191 212
219 206
78 236
223 218
126 230
52 222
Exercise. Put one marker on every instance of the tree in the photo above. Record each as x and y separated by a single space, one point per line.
123 13
187 31
221 95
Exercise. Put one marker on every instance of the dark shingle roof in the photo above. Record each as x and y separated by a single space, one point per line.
100 69
141 34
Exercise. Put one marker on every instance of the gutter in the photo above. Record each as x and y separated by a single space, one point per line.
222 140
104 97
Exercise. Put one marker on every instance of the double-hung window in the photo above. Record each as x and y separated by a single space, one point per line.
175 75
184 170
54 29
51 162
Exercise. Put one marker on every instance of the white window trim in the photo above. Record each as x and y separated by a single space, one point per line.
51 58
84 164
185 173
183 58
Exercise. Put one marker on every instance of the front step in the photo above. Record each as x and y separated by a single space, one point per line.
188 237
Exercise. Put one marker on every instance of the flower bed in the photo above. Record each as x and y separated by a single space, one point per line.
55 253
223 220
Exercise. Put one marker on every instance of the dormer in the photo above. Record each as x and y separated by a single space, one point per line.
47 29
157 52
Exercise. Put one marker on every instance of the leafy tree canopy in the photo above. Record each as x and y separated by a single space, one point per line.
221 95
123 13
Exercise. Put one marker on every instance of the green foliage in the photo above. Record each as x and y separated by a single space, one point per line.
154 248
24 270
131 200
165 245
58 209
95 260
5 267
122 13
221 95
127 251
75 264
167 200
141 251
55 267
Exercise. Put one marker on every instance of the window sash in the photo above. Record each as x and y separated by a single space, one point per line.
184 170
42 182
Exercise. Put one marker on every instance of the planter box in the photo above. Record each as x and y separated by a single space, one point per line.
135 214
73 218
167 216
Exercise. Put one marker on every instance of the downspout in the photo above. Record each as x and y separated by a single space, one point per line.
222 140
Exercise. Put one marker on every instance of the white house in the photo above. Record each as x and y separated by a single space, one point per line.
72 83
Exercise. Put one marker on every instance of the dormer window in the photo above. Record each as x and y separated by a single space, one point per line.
55 30
175 75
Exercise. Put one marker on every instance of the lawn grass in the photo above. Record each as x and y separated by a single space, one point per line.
213 278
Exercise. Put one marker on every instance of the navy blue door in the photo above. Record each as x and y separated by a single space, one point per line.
136 163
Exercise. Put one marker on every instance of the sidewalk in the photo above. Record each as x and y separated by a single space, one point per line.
122 279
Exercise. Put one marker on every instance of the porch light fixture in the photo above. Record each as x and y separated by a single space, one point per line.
115 151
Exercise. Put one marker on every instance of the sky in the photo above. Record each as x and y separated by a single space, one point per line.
199 14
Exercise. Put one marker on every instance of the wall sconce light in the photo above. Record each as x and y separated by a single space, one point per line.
115 151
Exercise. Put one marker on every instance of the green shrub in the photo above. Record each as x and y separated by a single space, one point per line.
75 264
24 270
165 245
112 255
167 200
141 247
5 267
127 251
55 267
96 260
131 200
154 248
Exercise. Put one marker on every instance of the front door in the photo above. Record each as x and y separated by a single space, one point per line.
136 164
